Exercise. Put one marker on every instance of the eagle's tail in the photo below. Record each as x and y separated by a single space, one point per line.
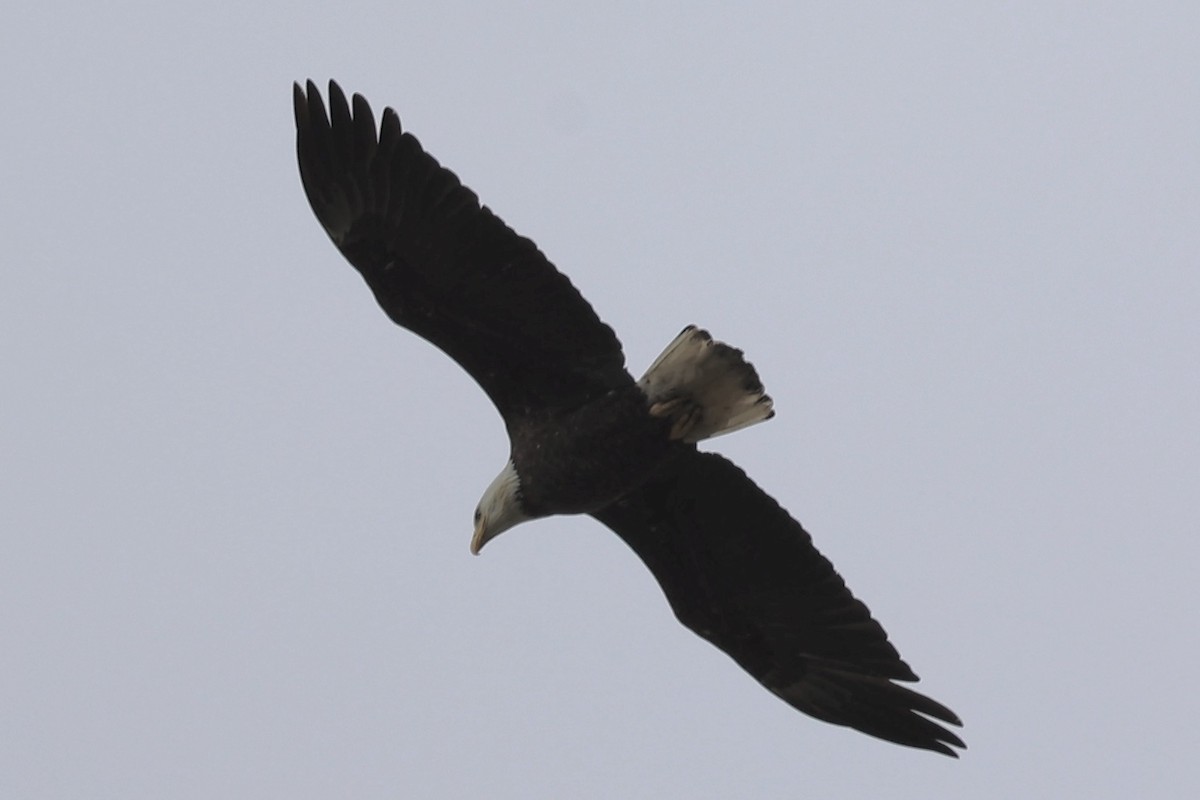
704 387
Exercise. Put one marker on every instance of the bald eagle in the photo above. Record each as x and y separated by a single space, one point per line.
586 438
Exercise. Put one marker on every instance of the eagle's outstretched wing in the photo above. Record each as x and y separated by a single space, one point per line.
447 268
740 572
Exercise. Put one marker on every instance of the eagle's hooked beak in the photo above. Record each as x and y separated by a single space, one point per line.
480 537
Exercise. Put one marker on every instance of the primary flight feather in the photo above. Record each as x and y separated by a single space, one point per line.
586 438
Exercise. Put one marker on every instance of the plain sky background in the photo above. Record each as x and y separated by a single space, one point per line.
960 241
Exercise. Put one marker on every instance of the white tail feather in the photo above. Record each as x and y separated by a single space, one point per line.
704 387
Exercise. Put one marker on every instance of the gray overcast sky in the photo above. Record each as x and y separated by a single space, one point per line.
959 241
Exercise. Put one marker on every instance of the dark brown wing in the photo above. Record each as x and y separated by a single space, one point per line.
446 268
740 572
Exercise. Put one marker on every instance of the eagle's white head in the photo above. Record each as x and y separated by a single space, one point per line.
499 509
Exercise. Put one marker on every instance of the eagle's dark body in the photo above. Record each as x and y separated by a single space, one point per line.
580 460
586 438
